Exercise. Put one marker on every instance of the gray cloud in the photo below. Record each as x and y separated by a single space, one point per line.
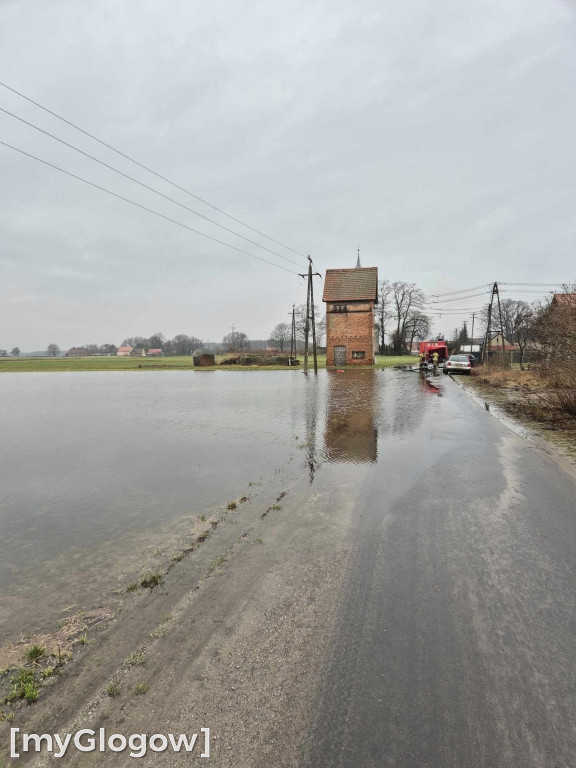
440 136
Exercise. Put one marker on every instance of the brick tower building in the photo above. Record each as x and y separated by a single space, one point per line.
350 296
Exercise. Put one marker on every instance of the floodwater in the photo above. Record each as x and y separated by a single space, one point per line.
95 466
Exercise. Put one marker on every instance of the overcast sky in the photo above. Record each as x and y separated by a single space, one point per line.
440 136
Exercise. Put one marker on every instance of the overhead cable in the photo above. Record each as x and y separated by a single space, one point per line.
459 298
144 208
146 168
462 290
146 186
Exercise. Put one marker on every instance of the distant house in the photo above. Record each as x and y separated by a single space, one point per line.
77 352
495 344
155 353
564 300
138 352
124 351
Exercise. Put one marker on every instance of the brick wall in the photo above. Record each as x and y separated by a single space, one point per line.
352 329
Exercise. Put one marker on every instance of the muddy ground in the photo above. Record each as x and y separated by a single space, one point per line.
231 639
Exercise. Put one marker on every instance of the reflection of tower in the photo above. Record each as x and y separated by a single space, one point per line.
351 433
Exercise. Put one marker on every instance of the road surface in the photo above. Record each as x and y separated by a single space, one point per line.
455 641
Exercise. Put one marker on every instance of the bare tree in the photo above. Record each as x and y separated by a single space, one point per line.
417 326
107 349
53 350
139 342
236 341
280 336
15 351
405 298
383 311
320 321
156 341
555 329
184 345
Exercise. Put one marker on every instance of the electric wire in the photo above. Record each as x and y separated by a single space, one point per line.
146 186
148 169
546 285
462 290
144 208
458 298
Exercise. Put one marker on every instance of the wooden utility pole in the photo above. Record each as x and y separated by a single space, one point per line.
472 333
310 316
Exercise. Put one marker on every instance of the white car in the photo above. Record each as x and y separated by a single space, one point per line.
458 364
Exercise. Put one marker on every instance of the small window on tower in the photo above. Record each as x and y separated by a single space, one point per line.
338 307
358 355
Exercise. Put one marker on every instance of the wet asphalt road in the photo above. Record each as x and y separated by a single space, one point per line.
456 640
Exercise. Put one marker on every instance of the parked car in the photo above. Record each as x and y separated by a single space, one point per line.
458 364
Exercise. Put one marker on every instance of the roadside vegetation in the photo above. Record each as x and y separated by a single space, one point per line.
543 391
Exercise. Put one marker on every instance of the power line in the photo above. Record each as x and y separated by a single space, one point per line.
146 168
462 290
546 285
146 186
144 208
458 298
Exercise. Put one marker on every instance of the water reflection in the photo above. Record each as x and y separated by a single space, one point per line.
311 421
351 434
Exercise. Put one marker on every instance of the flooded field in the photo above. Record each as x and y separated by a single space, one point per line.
98 470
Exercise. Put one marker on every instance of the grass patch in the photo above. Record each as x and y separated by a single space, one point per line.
35 653
47 673
135 659
23 686
202 536
152 580
104 363
258 541
231 505
218 562
132 587
83 640
140 689
113 689
158 633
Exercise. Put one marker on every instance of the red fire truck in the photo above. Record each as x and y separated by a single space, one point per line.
436 345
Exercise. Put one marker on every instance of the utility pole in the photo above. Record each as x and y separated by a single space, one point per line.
310 316
500 315
489 323
472 333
